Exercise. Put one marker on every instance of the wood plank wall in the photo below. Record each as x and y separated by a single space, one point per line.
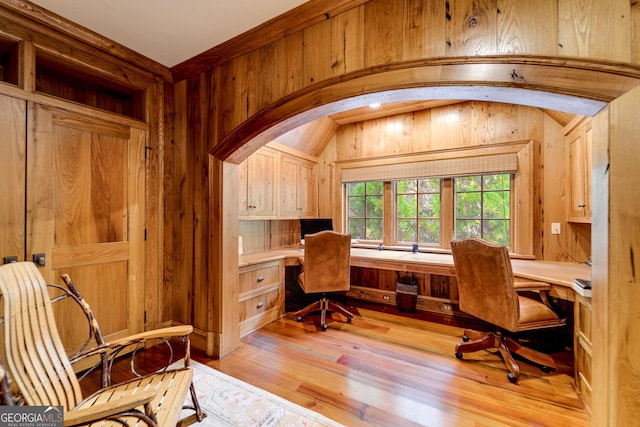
379 33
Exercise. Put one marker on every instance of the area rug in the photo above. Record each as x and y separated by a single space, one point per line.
229 401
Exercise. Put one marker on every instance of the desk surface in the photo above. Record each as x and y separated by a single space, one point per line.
556 273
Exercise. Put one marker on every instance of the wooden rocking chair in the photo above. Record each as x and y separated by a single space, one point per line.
42 373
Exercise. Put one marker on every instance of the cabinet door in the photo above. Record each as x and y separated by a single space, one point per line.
298 188
85 213
243 195
307 192
12 173
579 185
288 170
588 136
260 181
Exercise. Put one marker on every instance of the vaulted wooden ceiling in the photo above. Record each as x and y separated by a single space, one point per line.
314 136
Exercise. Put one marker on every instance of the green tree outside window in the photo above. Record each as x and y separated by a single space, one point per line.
418 211
365 209
483 207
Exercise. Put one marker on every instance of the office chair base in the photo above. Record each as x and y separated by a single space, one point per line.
323 306
475 341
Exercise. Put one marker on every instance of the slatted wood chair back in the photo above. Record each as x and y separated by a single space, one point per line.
33 351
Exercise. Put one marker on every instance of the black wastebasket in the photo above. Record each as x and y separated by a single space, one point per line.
406 296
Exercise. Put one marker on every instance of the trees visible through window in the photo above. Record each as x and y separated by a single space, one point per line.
483 207
365 210
418 211
431 211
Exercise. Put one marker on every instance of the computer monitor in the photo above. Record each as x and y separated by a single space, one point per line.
314 225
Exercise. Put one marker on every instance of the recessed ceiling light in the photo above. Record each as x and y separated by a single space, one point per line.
374 105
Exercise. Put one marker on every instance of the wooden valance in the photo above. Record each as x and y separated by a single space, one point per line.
499 163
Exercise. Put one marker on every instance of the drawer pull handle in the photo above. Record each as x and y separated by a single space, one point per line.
260 305
260 278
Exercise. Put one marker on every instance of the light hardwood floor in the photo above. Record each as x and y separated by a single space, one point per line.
388 370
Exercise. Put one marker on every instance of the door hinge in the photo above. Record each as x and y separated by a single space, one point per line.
145 234
147 148
145 317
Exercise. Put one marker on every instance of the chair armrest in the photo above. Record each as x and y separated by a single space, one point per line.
301 260
102 410
530 285
105 349
543 288
170 332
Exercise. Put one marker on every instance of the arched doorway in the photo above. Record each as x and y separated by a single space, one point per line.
572 85
604 90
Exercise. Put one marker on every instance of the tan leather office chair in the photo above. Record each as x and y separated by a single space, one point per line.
488 291
326 268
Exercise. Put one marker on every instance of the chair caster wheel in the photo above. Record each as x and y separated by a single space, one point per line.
512 378
348 319
459 356
465 338
299 319
324 327
546 369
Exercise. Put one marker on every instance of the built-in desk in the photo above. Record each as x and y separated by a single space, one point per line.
559 274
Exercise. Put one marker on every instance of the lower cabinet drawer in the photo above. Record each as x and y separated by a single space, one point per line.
256 276
259 310
259 304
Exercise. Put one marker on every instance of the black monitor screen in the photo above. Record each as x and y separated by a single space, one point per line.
314 225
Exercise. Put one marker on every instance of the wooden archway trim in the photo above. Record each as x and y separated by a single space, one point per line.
566 84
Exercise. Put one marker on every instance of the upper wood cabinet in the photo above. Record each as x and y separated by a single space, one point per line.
275 184
257 196
298 188
579 141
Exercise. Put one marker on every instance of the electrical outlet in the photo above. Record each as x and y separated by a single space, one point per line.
555 228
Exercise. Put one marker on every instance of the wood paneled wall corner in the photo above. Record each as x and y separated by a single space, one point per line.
179 206
53 29
291 22
154 215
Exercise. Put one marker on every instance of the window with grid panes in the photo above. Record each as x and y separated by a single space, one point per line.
365 205
483 207
417 216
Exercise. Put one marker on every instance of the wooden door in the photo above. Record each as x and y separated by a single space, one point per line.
12 177
85 213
